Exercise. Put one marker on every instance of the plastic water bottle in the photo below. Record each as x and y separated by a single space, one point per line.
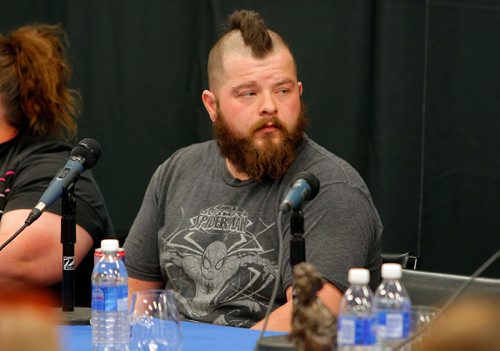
393 308
356 320
98 254
110 323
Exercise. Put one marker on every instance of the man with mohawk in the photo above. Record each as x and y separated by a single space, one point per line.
207 226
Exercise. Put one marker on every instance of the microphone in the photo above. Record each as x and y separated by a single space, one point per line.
304 188
83 156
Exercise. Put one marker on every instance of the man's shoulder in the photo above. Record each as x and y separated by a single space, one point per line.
189 158
202 149
194 152
327 166
339 181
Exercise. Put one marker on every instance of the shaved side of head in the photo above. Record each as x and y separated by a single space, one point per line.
246 35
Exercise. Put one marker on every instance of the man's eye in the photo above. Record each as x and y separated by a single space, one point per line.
283 91
247 93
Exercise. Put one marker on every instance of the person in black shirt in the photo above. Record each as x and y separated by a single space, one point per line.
37 118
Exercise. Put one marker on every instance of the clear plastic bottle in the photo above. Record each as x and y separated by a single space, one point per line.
110 324
98 254
393 308
356 320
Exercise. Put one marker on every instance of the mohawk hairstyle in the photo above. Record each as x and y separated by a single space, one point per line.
253 30
246 33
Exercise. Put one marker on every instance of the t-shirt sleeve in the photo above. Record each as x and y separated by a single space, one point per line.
34 177
341 231
141 245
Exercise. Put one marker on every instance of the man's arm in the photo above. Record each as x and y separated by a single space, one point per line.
138 285
34 257
281 318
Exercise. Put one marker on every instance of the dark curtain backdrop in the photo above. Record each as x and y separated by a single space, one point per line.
405 90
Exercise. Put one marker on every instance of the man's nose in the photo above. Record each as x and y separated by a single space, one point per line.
268 106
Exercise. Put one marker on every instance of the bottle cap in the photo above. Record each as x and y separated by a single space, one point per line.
391 271
110 245
359 276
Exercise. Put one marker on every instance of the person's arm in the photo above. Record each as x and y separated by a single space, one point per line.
34 258
281 318
141 244
138 285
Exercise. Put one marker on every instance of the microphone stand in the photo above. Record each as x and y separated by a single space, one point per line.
70 314
68 240
297 255
297 243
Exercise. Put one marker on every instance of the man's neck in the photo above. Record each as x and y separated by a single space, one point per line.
235 173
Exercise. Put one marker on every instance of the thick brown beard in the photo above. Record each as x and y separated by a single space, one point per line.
270 160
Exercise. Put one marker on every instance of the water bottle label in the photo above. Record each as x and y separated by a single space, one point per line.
356 331
394 325
110 298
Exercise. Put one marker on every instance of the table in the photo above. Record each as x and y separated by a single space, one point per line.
196 337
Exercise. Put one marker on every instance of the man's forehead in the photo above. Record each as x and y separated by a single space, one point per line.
237 59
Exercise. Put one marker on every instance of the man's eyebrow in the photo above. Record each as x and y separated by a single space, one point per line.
285 81
245 85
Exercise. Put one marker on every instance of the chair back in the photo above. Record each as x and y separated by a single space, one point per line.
405 259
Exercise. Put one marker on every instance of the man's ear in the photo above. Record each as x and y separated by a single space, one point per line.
300 87
210 103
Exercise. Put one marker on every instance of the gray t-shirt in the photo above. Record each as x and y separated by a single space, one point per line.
213 239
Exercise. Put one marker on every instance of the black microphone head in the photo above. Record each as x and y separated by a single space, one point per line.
313 182
89 149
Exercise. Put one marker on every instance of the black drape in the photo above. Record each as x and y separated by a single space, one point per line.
405 90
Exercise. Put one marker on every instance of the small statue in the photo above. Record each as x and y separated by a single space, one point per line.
313 325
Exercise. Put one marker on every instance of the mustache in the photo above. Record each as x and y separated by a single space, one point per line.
265 122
